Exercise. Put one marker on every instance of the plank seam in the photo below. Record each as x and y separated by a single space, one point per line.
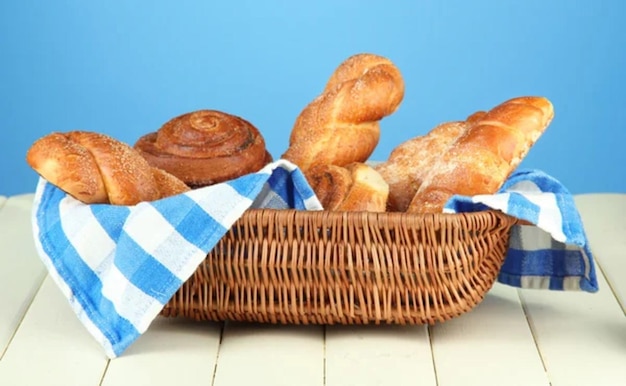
104 372
533 334
19 324
217 354
324 355
613 290
432 353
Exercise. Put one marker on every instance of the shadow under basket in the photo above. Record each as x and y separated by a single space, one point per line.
322 267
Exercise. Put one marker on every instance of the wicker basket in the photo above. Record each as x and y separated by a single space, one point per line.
305 267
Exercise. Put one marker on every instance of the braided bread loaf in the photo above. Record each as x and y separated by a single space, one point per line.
95 168
341 125
410 161
484 155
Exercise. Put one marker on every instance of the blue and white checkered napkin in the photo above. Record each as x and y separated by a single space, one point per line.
118 266
553 253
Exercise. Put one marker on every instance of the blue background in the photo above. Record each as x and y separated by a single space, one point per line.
125 67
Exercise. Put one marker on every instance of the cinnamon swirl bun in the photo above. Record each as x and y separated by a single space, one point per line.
205 147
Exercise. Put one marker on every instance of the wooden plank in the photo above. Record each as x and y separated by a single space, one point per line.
490 345
581 336
604 216
257 354
173 351
21 270
378 355
52 346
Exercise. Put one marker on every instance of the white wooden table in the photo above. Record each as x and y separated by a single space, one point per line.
514 337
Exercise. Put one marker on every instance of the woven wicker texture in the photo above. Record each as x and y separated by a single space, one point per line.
302 267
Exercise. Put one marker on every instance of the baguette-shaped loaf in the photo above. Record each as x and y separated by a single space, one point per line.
353 187
341 125
481 159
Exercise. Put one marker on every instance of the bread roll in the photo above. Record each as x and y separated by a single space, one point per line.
95 168
354 187
482 158
341 125
205 147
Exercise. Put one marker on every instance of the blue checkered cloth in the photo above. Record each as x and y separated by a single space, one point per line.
117 273
553 252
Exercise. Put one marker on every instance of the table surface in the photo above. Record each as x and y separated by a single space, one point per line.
514 337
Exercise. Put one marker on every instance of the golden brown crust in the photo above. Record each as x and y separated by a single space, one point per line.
481 159
167 184
93 168
205 147
409 162
369 191
341 125
69 166
330 184
354 187
127 177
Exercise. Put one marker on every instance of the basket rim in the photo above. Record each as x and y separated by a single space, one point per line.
506 219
